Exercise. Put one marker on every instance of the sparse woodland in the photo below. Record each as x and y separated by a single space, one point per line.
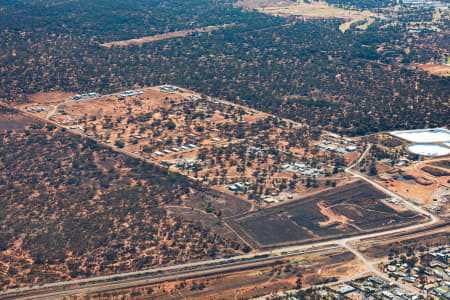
71 209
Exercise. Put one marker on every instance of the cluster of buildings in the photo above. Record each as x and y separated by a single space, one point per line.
434 208
244 187
372 287
254 149
426 3
168 89
36 109
239 187
302 169
176 149
85 96
394 201
275 197
432 279
76 127
183 163
338 144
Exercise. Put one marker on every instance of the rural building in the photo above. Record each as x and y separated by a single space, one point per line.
131 93
345 288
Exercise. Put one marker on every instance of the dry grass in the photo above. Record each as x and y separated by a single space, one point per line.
368 20
423 193
316 9
164 36
436 69
49 97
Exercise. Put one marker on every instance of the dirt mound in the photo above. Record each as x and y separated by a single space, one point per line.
423 181
393 171
435 171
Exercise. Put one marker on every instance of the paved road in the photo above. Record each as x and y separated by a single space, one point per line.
432 220
409 205
91 285
157 278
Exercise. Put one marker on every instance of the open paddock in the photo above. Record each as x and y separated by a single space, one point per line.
11 120
303 221
436 69
311 9
164 36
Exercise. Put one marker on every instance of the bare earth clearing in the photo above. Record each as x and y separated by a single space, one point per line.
315 9
347 210
10 121
164 36
48 97
436 69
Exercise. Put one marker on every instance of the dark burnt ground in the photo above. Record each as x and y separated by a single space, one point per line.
219 202
300 221
13 120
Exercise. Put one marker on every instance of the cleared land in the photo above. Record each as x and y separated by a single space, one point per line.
436 69
404 173
314 9
363 23
249 159
250 162
404 245
300 221
10 120
165 36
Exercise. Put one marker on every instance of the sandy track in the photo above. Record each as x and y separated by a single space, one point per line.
164 36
